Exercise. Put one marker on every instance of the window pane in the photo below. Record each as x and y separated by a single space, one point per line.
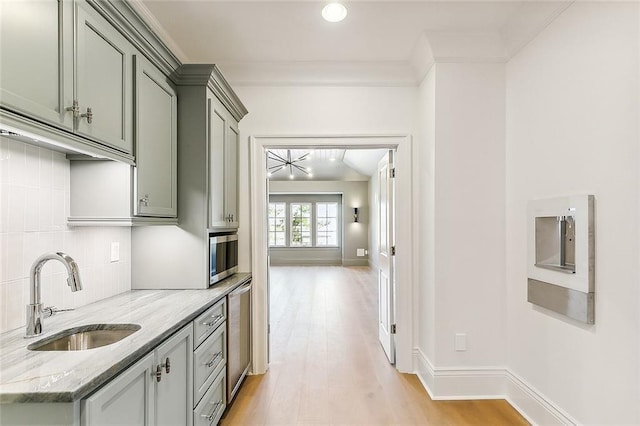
300 224
276 223
327 224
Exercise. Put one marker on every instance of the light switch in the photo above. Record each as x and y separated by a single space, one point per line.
115 252
461 342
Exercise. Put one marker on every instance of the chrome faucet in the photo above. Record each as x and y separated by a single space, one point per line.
35 312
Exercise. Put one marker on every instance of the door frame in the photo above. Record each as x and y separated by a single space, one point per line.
406 288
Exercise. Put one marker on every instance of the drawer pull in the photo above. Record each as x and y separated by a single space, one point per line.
216 319
158 373
214 359
167 365
214 412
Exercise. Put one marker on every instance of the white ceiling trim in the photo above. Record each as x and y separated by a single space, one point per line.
311 73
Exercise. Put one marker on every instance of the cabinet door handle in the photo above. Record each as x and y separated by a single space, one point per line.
215 318
158 373
145 200
74 108
166 365
214 359
213 414
89 115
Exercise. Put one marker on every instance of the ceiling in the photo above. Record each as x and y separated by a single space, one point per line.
326 164
245 37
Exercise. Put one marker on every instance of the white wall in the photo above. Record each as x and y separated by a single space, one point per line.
469 213
460 132
34 205
317 110
572 128
425 135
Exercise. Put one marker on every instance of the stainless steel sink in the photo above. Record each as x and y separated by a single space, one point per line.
85 337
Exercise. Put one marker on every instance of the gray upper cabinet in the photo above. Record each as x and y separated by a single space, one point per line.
103 81
208 154
72 70
223 166
36 59
155 174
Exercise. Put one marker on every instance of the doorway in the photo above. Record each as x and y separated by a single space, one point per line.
403 259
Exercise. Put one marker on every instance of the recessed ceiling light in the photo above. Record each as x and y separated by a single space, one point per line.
334 12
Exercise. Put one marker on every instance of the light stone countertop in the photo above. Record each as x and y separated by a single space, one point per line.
32 376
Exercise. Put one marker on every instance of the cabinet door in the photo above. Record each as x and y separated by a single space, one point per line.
231 173
36 73
125 400
218 217
174 400
156 146
103 80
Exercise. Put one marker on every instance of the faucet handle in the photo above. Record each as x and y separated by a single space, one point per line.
49 311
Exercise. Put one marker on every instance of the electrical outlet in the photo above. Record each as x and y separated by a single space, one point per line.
461 342
360 252
115 252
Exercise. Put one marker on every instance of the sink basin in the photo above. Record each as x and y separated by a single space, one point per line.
85 337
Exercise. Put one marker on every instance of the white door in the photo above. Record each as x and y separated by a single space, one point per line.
386 303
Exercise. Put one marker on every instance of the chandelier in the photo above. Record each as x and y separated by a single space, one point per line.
284 163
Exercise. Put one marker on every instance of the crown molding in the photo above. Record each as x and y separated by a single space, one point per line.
312 73
210 75
132 26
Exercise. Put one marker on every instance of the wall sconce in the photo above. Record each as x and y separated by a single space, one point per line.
355 214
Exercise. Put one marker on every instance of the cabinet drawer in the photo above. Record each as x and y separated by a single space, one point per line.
206 323
208 360
209 410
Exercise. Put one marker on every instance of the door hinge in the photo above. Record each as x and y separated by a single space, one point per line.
393 250
393 172
393 329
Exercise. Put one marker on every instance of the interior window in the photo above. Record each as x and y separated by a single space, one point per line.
300 224
327 224
277 224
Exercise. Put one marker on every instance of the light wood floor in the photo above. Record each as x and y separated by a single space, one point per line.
327 366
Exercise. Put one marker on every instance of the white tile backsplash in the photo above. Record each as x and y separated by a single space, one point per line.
34 205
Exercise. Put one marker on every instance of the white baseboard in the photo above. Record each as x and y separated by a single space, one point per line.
459 383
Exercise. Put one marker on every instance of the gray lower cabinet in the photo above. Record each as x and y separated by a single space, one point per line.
127 399
155 173
210 359
154 391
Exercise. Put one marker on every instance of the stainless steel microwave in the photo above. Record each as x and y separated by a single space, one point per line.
223 256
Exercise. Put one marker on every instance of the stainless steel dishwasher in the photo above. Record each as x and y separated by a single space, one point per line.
238 337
